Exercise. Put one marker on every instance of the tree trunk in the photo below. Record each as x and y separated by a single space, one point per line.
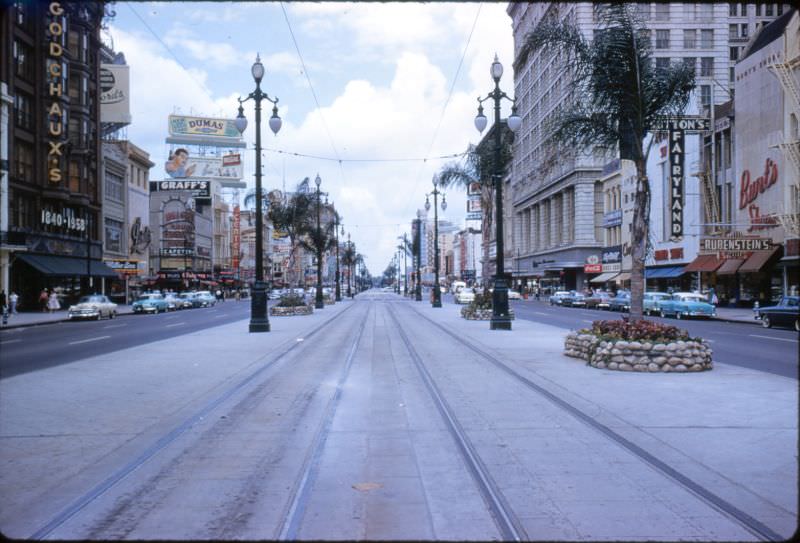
639 234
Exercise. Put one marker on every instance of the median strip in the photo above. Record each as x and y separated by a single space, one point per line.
175 324
88 340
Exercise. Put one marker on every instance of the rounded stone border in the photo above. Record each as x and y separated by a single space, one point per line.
644 356
277 311
481 314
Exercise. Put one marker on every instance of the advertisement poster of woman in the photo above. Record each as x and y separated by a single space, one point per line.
177 166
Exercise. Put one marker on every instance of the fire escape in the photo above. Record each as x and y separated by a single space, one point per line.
783 71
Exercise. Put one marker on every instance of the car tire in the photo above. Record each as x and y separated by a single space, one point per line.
661 313
112 315
765 322
678 315
797 325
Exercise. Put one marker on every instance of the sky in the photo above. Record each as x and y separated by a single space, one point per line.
359 85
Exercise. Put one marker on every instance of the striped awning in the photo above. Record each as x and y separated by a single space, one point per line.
603 277
704 263
730 266
757 261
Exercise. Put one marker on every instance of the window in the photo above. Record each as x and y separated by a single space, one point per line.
779 10
689 38
743 8
769 11
662 63
758 10
643 8
733 9
113 241
690 62
23 18
23 60
74 176
23 116
743 30
707 67
731 75
733 31
734 53
114 186
662 39
662 11
704 10
23 166
705 95
707 39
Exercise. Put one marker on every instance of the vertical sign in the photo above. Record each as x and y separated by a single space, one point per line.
236 235
676 175
55 89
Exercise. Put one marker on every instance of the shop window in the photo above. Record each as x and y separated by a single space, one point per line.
23 165
707 66
113 235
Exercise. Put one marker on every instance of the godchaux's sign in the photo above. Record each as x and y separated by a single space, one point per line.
55 89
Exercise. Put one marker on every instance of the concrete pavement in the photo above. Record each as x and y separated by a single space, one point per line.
731 431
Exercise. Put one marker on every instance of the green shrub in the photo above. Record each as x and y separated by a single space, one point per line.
483 300
291 300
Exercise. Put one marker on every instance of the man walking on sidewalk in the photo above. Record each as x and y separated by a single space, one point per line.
12 302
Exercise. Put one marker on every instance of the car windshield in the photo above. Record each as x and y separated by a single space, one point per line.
90 299
692 298
149 297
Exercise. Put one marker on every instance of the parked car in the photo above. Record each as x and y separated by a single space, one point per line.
785 313
95 306
173 301
514 295
574 299
150 303
456 285
206 299
599 300
557 296
620 302
686 304
188 300
652 301
464 296
275 294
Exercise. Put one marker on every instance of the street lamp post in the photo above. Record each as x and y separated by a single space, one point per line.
336 232
418 286
259 321
437 293
405 263
318 303
501 319
349 267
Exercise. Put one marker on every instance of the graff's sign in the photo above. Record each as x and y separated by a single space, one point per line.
749 190
55 90
202 189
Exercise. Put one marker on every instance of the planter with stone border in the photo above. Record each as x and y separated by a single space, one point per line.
278 311
481 314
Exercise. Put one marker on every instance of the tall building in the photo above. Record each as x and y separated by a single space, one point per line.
557 193
51 65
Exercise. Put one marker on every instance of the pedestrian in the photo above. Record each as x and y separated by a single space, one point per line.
13 298
43 299
52 302
238 295
3 299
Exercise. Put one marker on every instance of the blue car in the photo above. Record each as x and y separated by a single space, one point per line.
150 303
685 305
620 302
652 300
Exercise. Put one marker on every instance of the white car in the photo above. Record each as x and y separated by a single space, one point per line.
514 295
95 307
464 296
557 296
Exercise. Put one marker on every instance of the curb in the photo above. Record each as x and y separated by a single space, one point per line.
41 323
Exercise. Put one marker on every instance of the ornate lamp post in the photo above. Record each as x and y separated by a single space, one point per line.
437 293
259 321
501 319
350 267
336 232
405 262
318 303
418 286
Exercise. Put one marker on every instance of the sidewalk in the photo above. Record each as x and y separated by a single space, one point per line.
33 318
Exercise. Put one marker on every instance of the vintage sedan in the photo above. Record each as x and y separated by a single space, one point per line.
650 304
620 302
173 301
574 299
150 303
598 300
206 298
686 304
786 313
558 296
188 300
514 295
95 307
464 296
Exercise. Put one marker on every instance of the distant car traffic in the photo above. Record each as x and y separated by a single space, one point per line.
557 296
599 300
188 300
686 304
574 299
173 301
652 300
206 298
95 306
150 303
785 313
620 302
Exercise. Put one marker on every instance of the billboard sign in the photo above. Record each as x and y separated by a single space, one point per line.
115 87
199 189
183 166
236 236
184 125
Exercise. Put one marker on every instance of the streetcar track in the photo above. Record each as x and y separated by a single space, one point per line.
169 437
302 490
751 524
504 517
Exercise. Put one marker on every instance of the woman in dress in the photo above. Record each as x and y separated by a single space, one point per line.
52 302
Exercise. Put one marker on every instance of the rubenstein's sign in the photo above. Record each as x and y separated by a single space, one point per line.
734 246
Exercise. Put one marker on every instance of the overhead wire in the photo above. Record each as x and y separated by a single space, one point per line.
318 157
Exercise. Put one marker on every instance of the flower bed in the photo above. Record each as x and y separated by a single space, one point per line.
480 309
643 346
278 311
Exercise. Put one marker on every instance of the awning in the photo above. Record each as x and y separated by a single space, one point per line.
757 261
704 263
730 266
663 273
603 277
622 277
66 266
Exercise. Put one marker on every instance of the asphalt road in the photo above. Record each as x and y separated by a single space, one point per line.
33 348
772 350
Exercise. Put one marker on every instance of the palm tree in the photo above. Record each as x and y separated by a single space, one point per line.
318 240
620 95
348 260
